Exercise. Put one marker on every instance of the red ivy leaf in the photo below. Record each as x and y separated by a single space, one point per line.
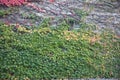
12 2
52 0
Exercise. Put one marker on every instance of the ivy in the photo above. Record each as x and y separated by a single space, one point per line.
46 53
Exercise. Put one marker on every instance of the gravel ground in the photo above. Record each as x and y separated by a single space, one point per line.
101 14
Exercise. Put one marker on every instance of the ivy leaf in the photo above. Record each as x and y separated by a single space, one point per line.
12 2
52 0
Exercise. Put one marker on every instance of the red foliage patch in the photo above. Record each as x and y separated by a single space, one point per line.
12 2
15 2
52 0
